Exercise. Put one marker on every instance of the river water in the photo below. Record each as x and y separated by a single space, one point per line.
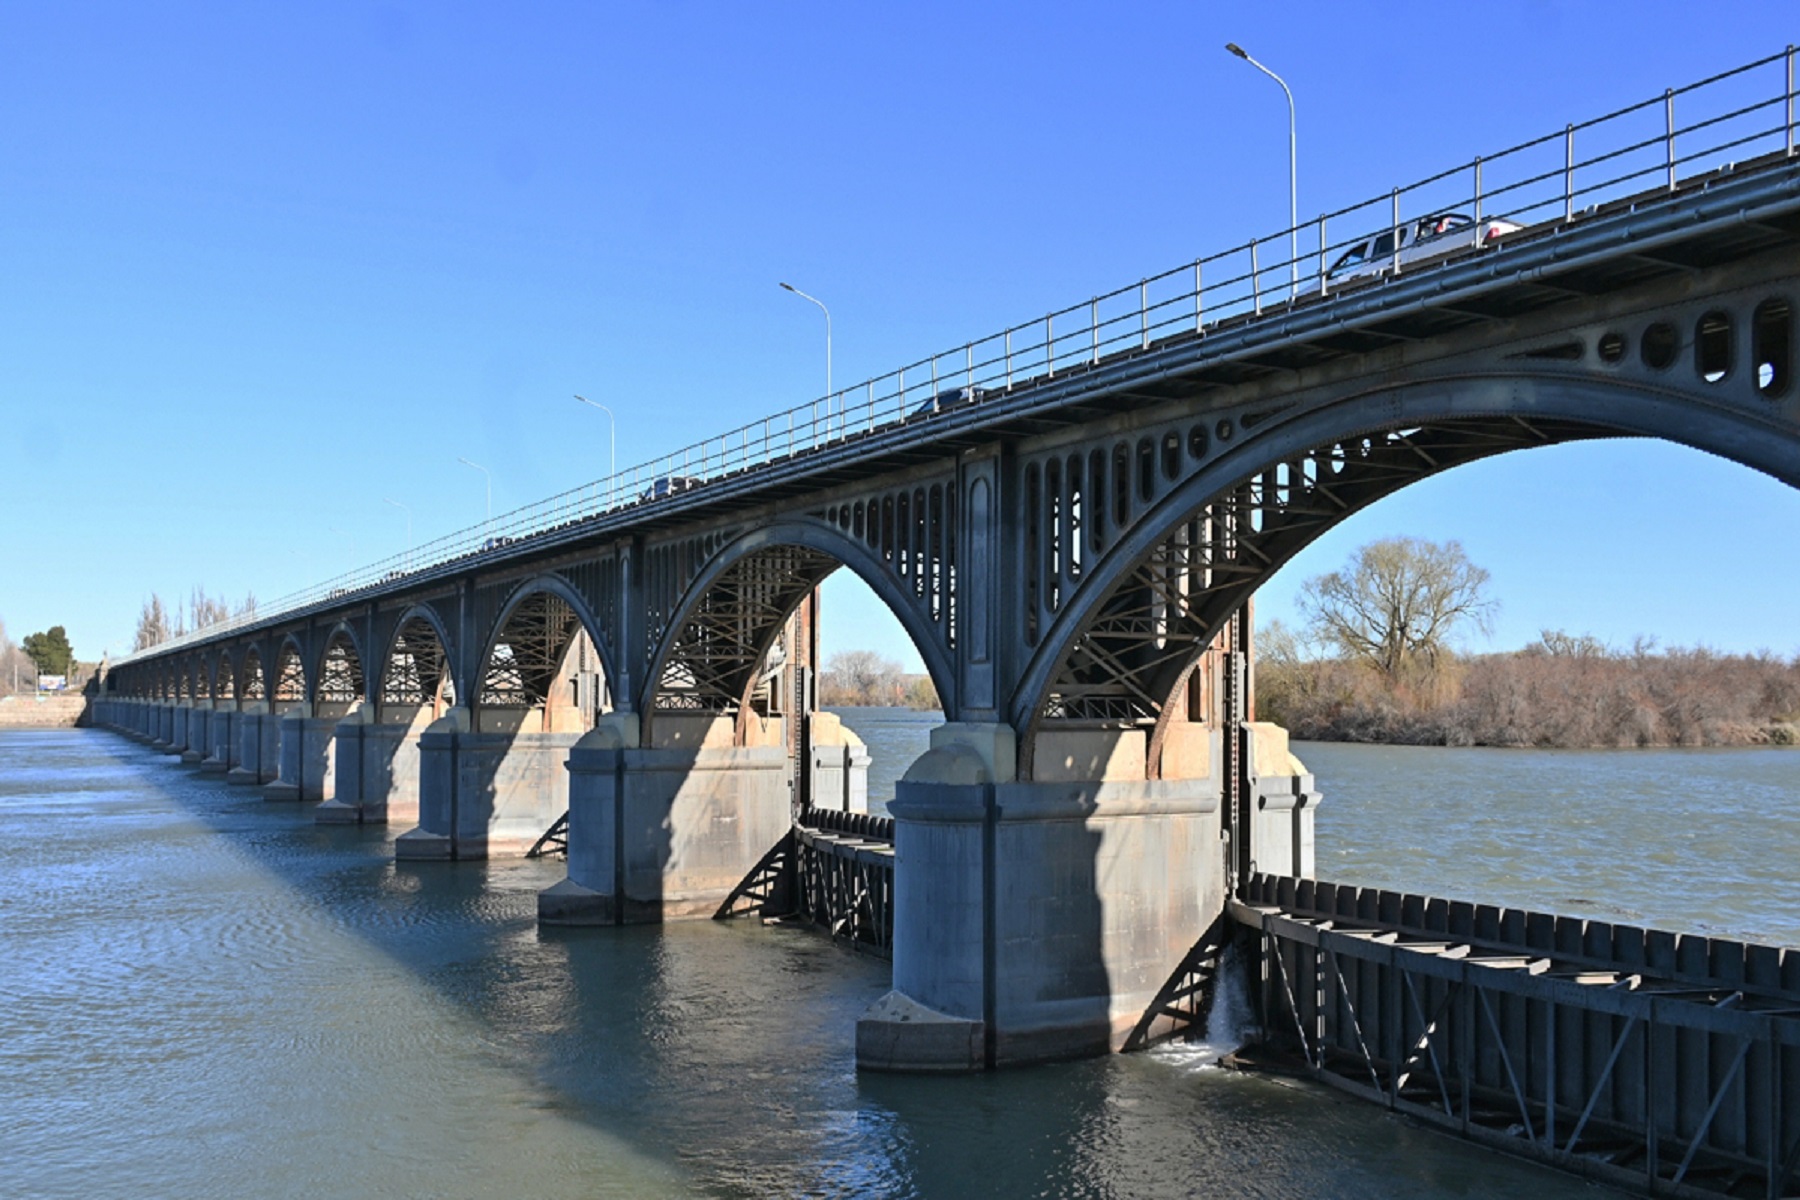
203 994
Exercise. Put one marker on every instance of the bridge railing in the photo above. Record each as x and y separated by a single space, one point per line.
1631 156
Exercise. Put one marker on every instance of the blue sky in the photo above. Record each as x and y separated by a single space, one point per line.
265 266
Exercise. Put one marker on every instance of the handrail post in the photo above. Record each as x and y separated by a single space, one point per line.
1255 281
1396 232
1144 313
1322 253
969 366
1478 195
1050 343
1094 327
1569 172
1199 307
1009 359
1669 133
1790 101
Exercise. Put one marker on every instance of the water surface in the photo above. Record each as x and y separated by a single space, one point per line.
203 994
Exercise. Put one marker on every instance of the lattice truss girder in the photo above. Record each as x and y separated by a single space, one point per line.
713 664
341 674
415 668
290 674
529 652
1126 662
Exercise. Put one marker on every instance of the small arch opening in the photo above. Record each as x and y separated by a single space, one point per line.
1712 346
1611 347
1660 346
1771 346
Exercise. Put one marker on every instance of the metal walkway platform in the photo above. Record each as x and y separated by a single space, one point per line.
1657 1061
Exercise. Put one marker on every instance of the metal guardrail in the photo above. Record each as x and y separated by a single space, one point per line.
1633 155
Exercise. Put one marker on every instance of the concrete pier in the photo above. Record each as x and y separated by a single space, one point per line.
259 746
223 740
666 832
490 791
199 733
307 736
1038 920
376 759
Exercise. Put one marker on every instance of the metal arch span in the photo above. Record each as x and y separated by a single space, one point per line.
416 665
542 637
1121 648
730 615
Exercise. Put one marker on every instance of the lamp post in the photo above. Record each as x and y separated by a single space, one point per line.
1293 159
490 486
612 426
790 287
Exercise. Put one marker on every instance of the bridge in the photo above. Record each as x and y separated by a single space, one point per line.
1069 518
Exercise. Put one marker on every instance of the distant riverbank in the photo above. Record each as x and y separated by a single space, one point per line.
47 712
1562 693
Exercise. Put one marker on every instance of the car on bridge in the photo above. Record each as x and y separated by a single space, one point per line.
1419 241
950 398
668 485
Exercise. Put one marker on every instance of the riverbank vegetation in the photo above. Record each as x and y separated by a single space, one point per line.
864 678
1374 663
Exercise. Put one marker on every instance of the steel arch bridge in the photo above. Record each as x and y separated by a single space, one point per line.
1062 554
1068 519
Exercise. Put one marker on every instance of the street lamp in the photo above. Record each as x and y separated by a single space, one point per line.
1293 186
790 287
408 513
490 486
613 426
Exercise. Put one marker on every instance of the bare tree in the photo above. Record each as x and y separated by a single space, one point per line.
153 624
1398 603
203 610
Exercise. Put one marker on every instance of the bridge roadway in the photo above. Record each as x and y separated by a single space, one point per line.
1068 518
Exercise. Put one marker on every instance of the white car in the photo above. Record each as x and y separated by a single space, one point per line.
1420 241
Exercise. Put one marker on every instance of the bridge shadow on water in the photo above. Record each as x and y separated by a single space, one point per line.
725 1050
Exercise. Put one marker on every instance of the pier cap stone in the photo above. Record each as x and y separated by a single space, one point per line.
966 753
454 720
611 731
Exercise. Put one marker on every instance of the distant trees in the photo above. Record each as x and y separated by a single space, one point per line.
15 666
863 678
1376 663
153 624
50 651
158 622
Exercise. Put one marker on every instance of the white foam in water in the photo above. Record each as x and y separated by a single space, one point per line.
1228 1025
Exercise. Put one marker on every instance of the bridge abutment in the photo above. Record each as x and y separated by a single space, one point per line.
666 832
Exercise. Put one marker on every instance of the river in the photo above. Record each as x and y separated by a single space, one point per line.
206 995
